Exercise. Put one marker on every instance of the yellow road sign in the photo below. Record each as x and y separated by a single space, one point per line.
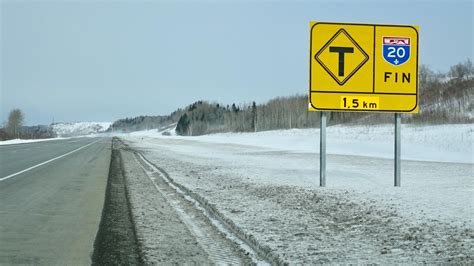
363 67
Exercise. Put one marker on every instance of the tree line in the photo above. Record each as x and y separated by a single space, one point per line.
203 117
443 98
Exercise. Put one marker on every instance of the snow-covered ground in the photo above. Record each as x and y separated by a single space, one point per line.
79 128
21 141
267 184
438 143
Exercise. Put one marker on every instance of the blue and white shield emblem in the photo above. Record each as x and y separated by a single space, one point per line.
396 50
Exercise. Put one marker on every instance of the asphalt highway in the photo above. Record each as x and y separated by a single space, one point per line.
51 200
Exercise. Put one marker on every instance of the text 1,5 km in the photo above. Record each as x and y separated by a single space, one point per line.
359 103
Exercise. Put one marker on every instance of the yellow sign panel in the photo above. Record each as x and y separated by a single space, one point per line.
363 67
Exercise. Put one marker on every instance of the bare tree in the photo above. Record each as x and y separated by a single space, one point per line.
463 70
15 122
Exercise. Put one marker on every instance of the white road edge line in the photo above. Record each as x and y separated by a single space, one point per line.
48 161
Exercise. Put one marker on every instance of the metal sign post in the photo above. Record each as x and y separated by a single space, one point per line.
322 150
397 148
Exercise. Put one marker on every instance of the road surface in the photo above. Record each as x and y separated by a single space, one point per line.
51 196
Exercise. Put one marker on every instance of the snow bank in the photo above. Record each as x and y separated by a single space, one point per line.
440 143
21 141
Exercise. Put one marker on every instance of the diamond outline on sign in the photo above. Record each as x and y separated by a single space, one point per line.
366 57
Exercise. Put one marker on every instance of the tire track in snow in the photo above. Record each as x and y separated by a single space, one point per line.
216 252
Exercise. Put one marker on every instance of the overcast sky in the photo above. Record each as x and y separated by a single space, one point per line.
105 60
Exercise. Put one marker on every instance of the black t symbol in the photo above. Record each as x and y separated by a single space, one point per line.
341 51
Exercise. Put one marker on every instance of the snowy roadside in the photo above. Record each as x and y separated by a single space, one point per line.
159 230
437 143
360 217
23 141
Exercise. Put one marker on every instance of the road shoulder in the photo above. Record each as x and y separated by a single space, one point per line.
162 236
